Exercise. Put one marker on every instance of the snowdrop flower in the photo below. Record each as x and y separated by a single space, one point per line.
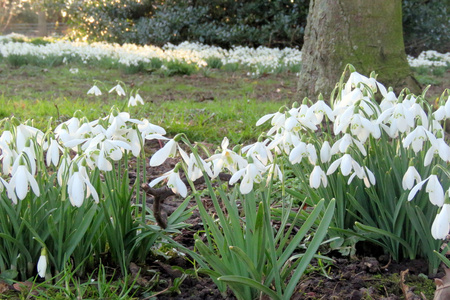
194 172
42 263
433 188
174 182
94 90
365 174
260 151
343 143
119 90
79 186
274 172
317 177
160 156
303 150
438 147
251 174
346 163
441 224
417 137
411 176
135 100
325 152
52 156
146 128
226 159
21 180
320 109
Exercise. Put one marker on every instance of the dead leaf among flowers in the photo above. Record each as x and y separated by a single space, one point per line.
443 286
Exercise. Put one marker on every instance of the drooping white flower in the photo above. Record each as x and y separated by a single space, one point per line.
302 150
160 156
226 159
411 176
317 177
42 263
53 152
346 163
417 137
321 109
441 223
435 191
251 174
438 147
194 171
21 180
174 182
325 152
119 90
79 187
94 90
135 100
433 188
260 151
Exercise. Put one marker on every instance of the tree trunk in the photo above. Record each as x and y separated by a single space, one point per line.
42 23
366 34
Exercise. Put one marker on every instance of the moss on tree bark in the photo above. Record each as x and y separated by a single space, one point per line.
366 34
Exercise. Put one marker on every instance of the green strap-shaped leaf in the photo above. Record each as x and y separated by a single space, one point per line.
251 283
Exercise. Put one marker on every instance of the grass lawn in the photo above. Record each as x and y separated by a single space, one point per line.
206 105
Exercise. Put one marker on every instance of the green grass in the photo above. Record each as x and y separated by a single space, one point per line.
206 108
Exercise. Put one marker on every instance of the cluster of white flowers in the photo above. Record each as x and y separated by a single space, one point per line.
354 118
74 148
194 53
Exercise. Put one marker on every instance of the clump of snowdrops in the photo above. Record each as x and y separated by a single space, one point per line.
66 194
370 149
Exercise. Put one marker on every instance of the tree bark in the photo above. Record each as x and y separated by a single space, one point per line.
42 23
366 34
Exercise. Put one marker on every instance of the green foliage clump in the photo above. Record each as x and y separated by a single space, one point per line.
426 25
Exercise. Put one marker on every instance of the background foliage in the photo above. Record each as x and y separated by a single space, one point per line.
272 23
276 23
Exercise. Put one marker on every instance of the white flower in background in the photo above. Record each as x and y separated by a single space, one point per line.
325 152
7 157
438 147
134 101
119 90
146 128
302 150
441 224
95 91
226 159
433 188
343 143
274 172
260 151
321 109
194 172
174 182
417 137
21 180
160 156
284 141
365 174
251 174
362 127
79 186
73 70
53 151
398 116
346 163
317 177
42 263
411 176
